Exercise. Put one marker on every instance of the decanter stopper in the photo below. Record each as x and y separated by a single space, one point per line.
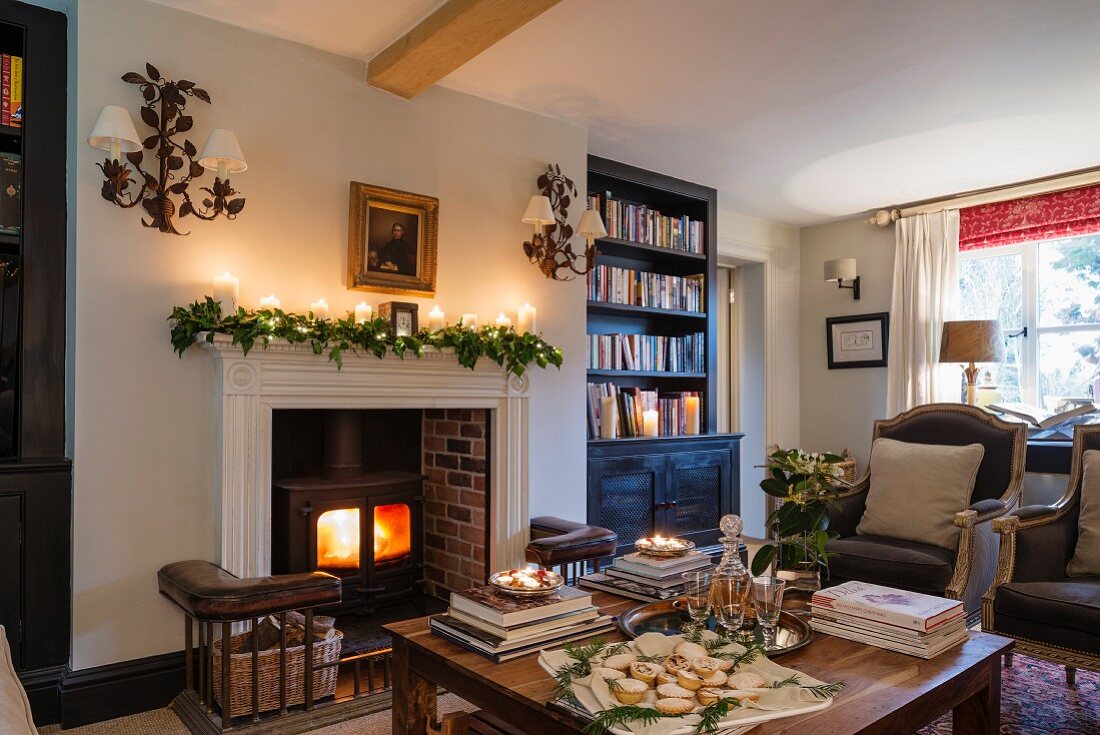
731 525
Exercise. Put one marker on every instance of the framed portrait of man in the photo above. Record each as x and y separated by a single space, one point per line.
392 240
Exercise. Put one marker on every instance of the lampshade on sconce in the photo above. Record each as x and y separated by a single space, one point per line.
222 153
539 212
114 131
841 270
591 226
970 341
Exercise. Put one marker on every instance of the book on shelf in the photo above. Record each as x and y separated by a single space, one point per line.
627 588
630 287
1039 418
647 352
643 224
631 402
486 604
526 630
476 640
11 193
897 607
16 91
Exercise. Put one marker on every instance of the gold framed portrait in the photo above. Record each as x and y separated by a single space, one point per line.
392 240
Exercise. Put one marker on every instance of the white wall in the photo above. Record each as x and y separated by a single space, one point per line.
142 427
839 407
773 247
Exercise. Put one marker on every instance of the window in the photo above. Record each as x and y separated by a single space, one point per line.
1047 297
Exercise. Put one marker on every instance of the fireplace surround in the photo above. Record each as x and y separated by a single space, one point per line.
290 376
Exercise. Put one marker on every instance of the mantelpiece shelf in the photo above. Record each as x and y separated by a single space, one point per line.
606 307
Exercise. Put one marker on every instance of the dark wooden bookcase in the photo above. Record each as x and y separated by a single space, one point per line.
35 475
669 484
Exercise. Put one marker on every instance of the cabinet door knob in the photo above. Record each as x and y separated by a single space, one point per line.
672 504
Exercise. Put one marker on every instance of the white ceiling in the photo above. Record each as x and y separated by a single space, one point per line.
796 110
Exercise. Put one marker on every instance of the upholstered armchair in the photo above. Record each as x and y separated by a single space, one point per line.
1051 615
960 573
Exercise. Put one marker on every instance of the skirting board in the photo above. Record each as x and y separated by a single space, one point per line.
42 686
120 689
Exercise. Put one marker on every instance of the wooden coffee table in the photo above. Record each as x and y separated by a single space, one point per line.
886 692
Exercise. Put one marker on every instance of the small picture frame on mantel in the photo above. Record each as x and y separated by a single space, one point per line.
858 341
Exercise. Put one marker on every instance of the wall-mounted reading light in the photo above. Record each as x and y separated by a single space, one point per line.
841 270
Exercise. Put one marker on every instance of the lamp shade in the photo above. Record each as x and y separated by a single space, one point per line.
114 125
841 269
591 225
972 340
222 148
539 211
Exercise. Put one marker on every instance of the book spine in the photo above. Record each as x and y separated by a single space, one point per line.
5 90
17 91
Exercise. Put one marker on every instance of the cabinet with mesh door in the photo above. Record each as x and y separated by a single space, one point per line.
672 486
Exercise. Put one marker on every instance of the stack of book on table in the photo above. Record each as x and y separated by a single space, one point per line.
906 622
646 578
503 627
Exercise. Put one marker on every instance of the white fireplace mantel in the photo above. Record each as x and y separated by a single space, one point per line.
287 376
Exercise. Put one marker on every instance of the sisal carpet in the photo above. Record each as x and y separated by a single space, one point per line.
1034 701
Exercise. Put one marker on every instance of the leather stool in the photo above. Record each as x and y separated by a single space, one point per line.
568 545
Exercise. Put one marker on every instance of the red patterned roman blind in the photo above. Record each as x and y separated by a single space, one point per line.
1043 217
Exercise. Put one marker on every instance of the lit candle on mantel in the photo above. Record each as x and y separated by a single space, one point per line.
503 321
691 413
319 309
469 321
525 319
607 417
270 302
226 290
649 423
436 319
363 312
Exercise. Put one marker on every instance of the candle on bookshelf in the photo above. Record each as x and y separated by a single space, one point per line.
525 319
503 321
436 319
607 417
469 321
226 289
649 423
363 312
691 414
270 302
319 309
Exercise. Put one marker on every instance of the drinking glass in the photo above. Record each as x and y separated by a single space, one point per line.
697 596
729 597
767 597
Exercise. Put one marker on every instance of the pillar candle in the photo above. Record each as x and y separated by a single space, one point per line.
607 417
526 319
503 321
319 309
436 320
469 321
363 312
226 290
270 302
649 423
691 413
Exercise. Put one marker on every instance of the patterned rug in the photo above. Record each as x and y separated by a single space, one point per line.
1034 701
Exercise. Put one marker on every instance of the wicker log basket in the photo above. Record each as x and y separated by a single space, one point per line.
848 466
240 674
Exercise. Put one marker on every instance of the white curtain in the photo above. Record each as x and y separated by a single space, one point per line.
926 284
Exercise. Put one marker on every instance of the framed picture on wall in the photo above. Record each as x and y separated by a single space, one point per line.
392 240
858 341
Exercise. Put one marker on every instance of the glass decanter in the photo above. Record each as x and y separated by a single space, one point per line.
731 583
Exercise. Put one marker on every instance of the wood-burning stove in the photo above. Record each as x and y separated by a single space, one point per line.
364 527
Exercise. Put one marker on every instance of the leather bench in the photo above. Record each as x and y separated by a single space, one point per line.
561 543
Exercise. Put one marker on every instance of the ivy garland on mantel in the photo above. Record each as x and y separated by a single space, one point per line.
513 351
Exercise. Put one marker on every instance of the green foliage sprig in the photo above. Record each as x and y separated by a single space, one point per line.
513 351
713 714
627 713
821 691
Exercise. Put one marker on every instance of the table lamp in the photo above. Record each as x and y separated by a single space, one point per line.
971 341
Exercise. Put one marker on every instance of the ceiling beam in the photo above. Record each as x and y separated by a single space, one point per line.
456 32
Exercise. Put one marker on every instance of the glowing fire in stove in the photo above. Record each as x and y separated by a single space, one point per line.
338 536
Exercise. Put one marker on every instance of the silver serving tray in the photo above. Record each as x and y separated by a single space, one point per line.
666 618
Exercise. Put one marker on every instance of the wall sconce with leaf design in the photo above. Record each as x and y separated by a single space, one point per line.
177 163
550 248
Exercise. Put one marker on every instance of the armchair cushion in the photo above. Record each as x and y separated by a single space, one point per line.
916 490
1086 556
1064 613
891 563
